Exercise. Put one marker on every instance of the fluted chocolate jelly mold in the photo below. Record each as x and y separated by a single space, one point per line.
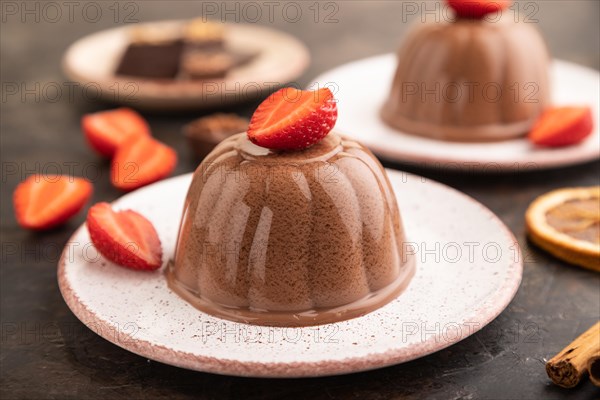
290 238
469 80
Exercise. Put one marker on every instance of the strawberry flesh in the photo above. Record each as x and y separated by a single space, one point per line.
477 9
562 126
46 201
293 119
140 161
124 237
107 130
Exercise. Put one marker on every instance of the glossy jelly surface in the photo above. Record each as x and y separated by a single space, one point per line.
290 238
469 80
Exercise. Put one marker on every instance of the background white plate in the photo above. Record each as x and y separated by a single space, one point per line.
363 86
281 58
449 298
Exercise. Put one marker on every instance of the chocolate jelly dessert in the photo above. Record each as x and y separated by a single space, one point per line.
205 133
470 80
290 238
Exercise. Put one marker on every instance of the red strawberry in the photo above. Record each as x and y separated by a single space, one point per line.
477 8
46 201
140 161
107 130
562 126
292 119
124 237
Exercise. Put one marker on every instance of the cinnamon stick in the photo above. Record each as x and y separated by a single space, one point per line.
568 367
593 367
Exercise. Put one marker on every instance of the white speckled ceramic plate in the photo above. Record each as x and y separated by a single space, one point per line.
468 270
360 100
280 58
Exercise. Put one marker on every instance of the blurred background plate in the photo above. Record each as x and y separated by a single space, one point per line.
362 87
281 58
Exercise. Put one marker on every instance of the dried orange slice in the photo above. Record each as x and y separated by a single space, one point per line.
566 223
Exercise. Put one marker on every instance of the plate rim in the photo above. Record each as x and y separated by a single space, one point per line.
295 369
423 160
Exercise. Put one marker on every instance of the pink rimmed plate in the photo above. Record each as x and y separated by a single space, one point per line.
469 268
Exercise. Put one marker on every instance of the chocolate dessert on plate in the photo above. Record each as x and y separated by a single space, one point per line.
290 224
477 77
195 50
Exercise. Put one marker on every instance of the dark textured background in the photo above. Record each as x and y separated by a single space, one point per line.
47 353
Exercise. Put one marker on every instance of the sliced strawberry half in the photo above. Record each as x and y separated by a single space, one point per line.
124 237
477 9
107 130
46 201
293 119
140 161
562 126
